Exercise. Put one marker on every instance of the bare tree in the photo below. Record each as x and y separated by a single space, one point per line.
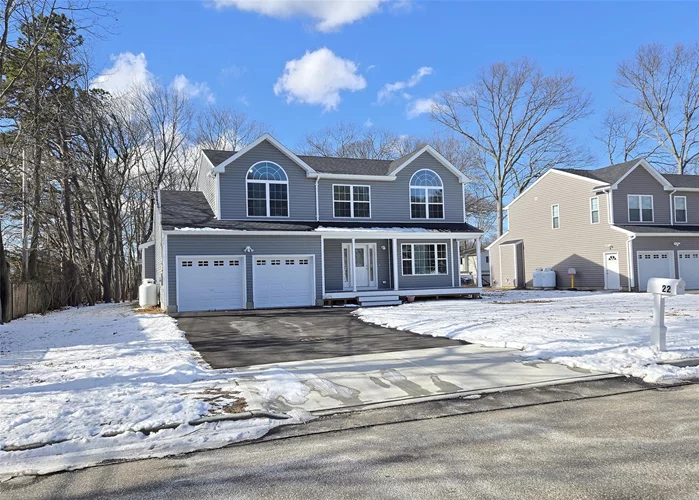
348 140
225 128
663 84
626 135
517 120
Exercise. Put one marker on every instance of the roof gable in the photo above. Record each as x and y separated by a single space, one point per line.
221 167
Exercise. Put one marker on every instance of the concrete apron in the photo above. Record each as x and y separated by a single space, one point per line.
369 381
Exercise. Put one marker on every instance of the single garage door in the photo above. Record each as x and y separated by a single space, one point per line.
210 283
654 265
283 281
688 262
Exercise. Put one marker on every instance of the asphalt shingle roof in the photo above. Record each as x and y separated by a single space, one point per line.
190 209
660 229
613 173
217 156
683 181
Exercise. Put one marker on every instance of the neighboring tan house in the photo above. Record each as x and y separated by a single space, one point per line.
268 228
563 221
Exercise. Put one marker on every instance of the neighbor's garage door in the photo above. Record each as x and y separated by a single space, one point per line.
654 265
283 281
688 262
210 283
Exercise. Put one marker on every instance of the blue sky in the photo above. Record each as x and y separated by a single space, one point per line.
234 56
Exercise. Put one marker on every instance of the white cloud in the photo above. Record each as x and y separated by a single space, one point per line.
318 78
128 71
420 107
329 15
368 123
391 88
184 86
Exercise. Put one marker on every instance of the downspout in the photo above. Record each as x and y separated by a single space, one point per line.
317 209
629 262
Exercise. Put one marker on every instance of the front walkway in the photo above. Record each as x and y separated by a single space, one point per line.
345 383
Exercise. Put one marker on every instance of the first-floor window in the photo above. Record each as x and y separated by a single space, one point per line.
640 208
680 209
555 217
424 258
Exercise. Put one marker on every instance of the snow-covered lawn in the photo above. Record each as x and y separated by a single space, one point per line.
90 378
598 331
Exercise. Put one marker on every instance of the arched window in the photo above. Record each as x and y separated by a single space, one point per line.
426 195
268 190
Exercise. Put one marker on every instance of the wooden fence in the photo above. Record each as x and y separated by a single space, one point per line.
27 298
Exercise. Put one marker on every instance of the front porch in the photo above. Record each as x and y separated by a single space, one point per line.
368 267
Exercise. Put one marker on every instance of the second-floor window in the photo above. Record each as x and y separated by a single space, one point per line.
351 201
555 217
594 210
267 190
640 208
680 209
426 195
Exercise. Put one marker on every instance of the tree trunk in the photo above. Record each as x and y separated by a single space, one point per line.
33 265
5 313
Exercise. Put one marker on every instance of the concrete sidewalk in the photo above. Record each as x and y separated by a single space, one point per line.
349 382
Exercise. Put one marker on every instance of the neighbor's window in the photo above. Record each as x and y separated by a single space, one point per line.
267 187
680 209
426 195
594 210
640 208
351 201
555 217
424 258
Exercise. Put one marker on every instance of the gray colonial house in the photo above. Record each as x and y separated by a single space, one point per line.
616 226
268 228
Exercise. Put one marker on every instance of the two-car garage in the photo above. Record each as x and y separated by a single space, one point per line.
229 282
661 264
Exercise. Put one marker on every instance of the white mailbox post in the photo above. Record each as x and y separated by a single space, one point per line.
661 288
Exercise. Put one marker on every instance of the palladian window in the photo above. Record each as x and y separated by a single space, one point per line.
426 195
268 190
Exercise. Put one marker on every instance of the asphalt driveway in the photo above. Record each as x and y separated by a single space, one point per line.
246 338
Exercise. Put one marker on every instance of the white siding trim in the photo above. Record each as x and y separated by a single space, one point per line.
266 137
165 288
218 196
656 175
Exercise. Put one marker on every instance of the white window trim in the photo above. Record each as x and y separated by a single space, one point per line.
674 208
267 183
556 216
591 210
427 203
640 207
412 259
351 200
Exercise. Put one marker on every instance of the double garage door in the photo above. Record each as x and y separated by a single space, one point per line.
210 283
661 264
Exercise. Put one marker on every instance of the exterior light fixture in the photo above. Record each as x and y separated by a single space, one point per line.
248 249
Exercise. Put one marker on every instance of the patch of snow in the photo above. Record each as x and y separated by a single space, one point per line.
79 375
590 330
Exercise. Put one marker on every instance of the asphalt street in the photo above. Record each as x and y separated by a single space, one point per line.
642 444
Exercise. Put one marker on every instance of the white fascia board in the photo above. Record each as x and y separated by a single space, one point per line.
266 137
625 231
497 240
145 245
351 177
437 156
666 235
683 189
229 232
649 168
334 234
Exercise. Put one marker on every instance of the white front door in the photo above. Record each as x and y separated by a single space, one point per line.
654 264
688 262
612 280
364 265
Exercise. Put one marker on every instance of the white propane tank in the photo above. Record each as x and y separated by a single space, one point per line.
538 281
548 278
148 293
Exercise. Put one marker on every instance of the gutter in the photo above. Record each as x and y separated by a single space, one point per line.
672 211
629 261
246 415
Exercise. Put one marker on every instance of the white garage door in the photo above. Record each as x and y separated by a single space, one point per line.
283 281
654 265
688 262
210 283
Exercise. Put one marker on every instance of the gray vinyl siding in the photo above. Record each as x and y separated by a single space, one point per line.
577 243
301 190
663 243
640 181
390 200
333 263
692 208
207 183
149 262
406 282
234 245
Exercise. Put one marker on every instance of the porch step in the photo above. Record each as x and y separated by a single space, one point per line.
378 300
